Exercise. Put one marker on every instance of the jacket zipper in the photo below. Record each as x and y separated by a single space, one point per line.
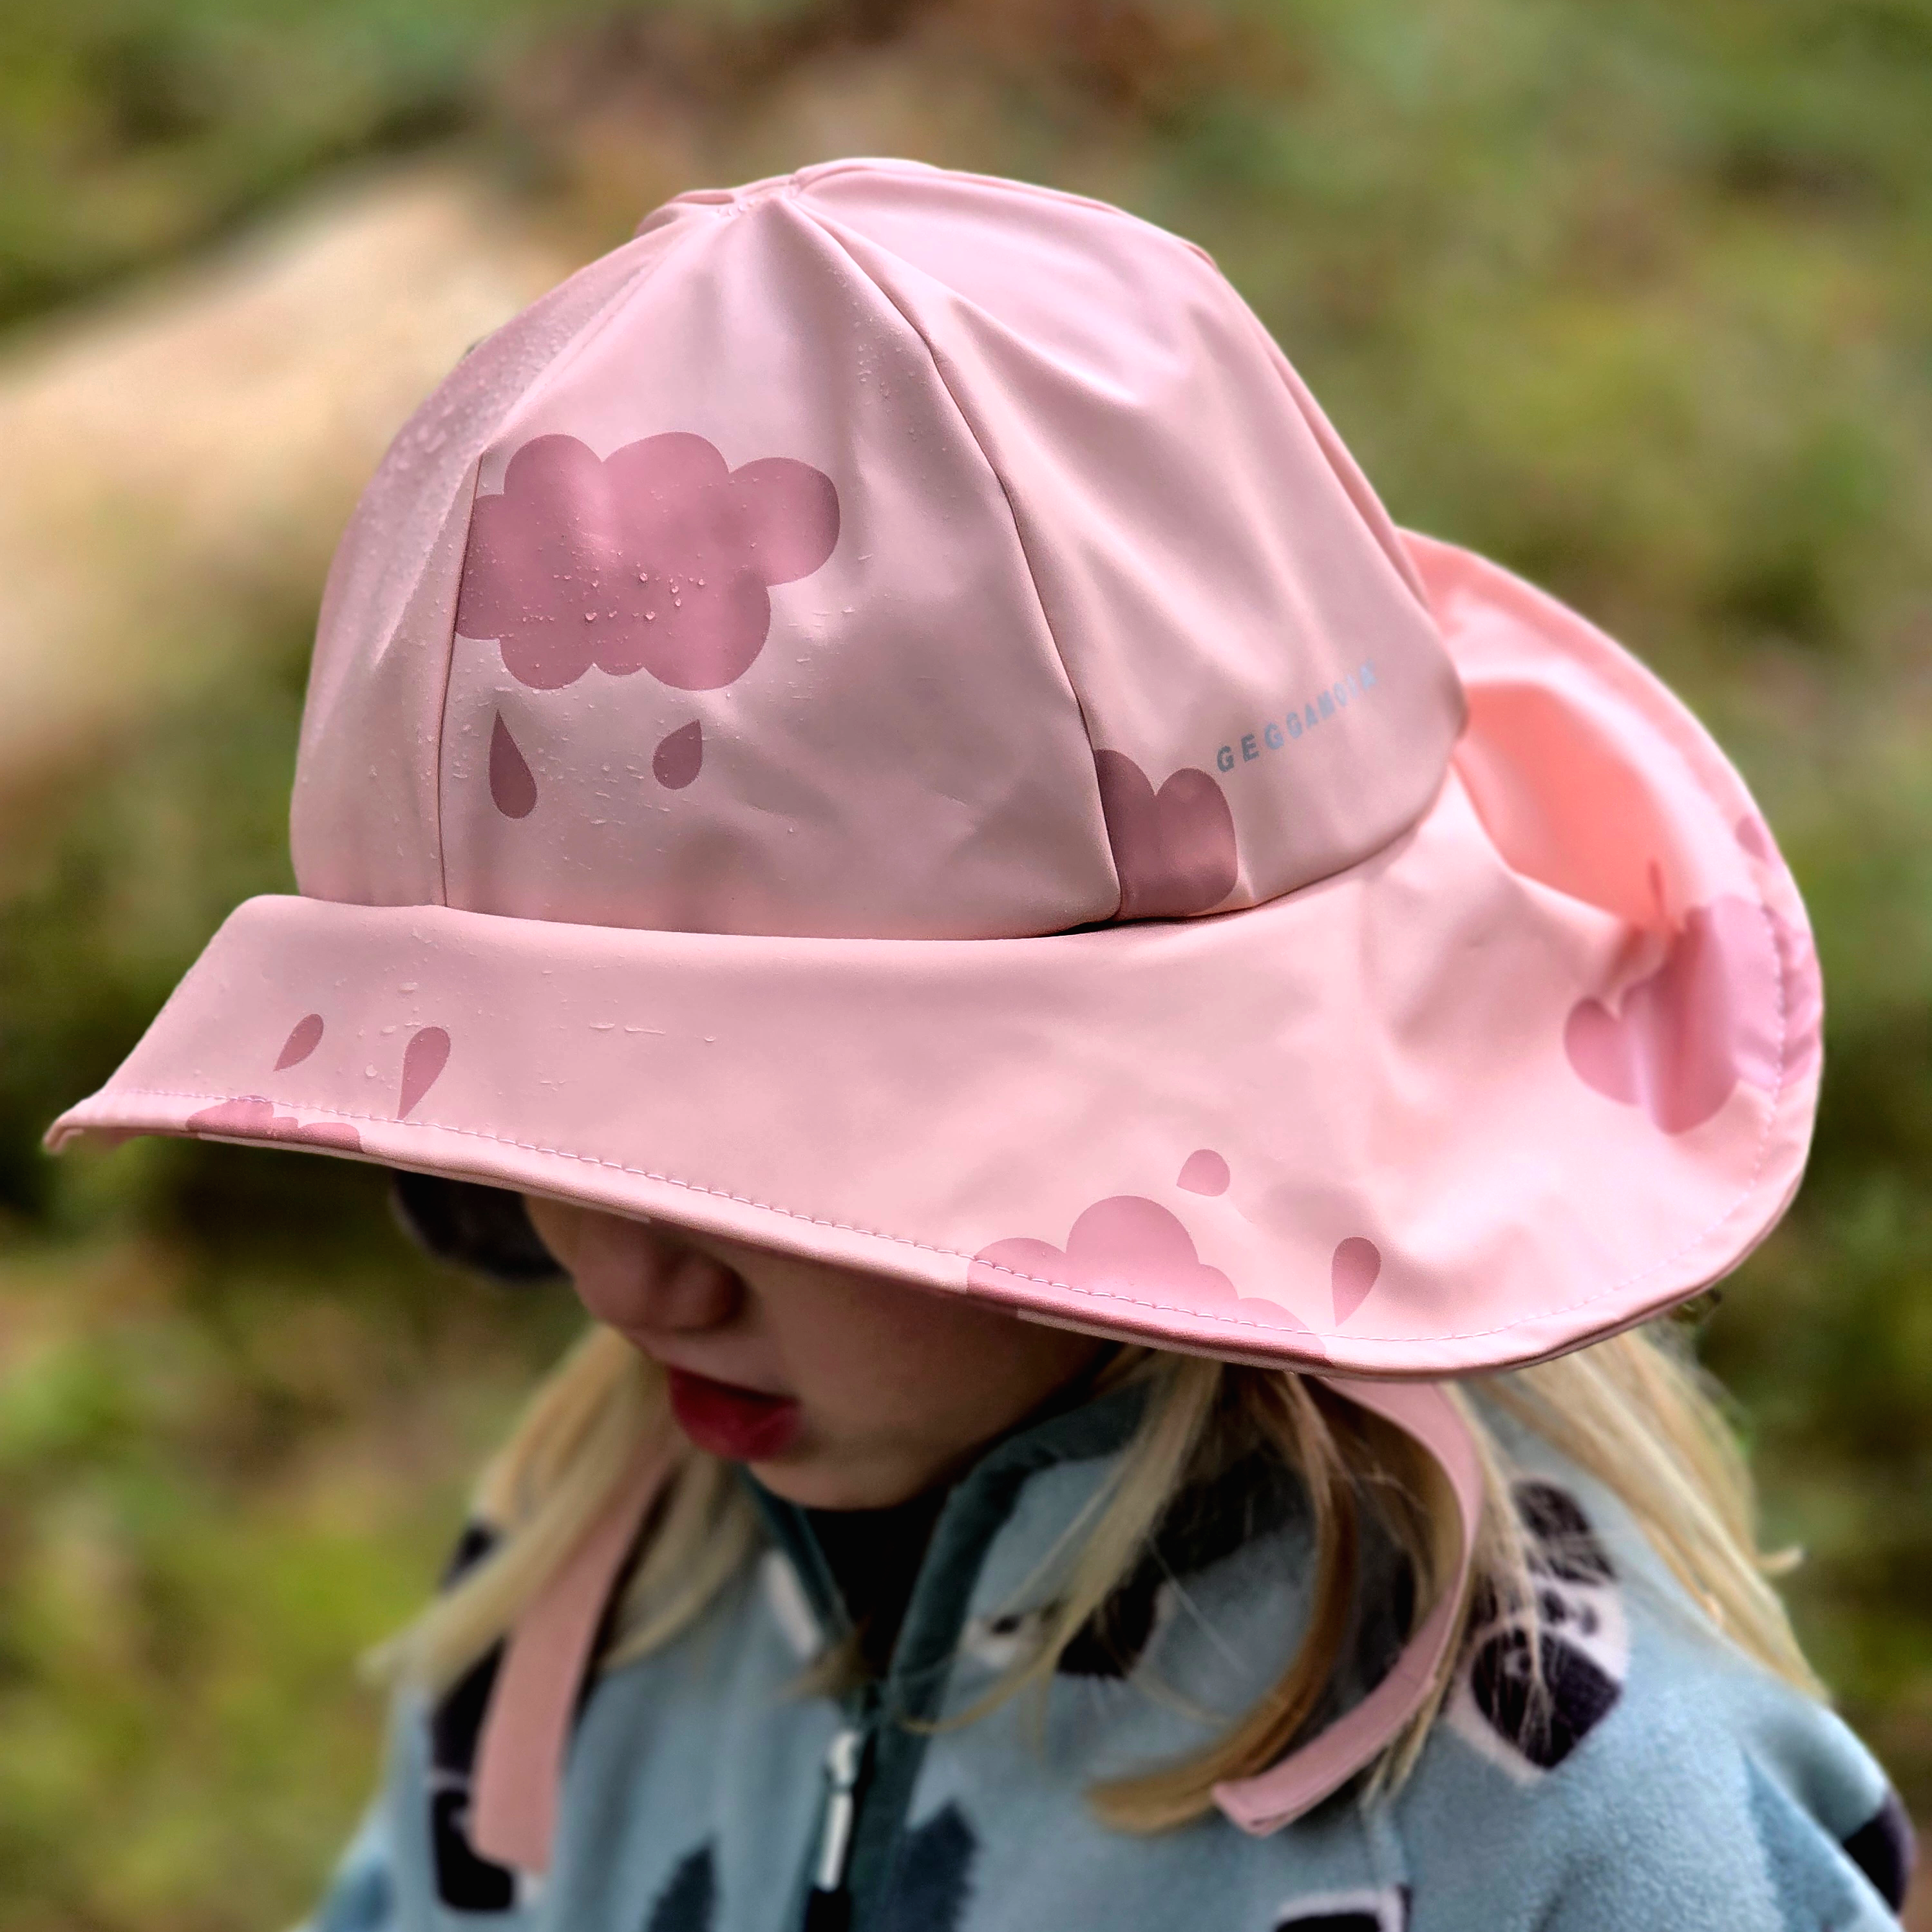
829 1907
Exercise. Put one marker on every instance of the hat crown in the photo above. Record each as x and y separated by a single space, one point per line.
880 552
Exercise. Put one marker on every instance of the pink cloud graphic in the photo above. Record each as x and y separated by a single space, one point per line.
252 1118
658 557
1173 849
1736 997
1128 1248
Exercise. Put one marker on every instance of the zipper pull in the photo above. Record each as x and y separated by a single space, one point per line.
845 1760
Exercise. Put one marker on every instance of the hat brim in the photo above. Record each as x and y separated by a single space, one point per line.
1542 1067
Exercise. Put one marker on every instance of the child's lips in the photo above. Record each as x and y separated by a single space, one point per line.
743 1425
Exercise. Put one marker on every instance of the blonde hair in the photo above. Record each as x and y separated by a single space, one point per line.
1633 1412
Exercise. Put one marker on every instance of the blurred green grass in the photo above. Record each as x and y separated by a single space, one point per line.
1636 299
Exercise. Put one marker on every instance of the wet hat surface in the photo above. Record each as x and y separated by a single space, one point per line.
880 719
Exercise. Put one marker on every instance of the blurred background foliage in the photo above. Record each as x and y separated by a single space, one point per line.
1637 298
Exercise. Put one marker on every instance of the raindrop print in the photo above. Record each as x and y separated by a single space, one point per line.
1357 1261
1204 1172
303 1040
675 761
512 788
424 1059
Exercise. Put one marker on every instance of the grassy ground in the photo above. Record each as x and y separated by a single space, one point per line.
1636 299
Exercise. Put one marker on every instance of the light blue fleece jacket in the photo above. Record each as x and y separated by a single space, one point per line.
1669 1785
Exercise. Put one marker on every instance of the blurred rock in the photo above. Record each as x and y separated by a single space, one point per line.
179 465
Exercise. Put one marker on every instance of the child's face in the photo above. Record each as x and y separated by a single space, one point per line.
840 1389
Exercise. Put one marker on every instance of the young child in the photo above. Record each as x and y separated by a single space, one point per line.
1118 1050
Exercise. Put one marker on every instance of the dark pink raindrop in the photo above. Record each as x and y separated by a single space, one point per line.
675 761
302 1041
424 1059
1352 1272
512 788
1204 1172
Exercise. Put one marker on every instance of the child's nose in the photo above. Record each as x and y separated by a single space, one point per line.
632 1276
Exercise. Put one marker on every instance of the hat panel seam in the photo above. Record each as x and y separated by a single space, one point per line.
807 178
448 683
540 383
606 319
830 229
1304 403
1352 479
960 1254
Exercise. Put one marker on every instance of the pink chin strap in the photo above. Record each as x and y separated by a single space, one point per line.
526 1733
1278 1795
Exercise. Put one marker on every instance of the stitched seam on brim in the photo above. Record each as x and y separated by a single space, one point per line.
1605 661
960 1254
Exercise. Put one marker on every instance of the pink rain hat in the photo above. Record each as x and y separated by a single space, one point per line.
879 719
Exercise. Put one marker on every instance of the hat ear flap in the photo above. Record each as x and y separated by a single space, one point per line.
791 511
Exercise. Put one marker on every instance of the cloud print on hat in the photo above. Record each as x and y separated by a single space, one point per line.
1730 1001
1173 849
1127 1248
658 557
250 1117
